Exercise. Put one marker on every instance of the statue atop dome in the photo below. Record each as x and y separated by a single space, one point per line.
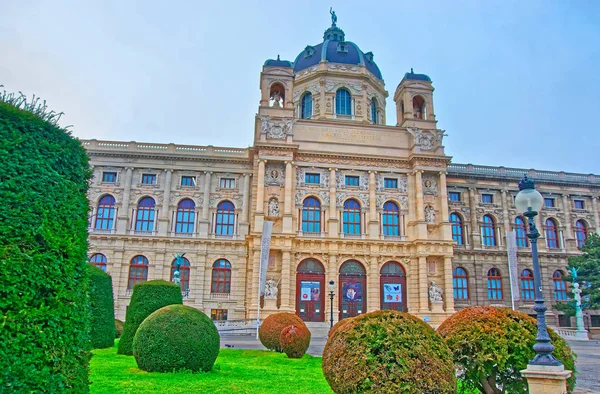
333 17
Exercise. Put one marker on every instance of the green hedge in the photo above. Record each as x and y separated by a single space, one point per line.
44 302
102 307
174 338
146 298
118 328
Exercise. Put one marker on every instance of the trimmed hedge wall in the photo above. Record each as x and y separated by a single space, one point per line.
44 301
102 308
118 328
146 298
294 341
270 330
174 338
388 352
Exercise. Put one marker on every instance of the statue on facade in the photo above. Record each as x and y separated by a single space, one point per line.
435 292
333 17
177 273
273 208
271 289
277 99
577 295
429 214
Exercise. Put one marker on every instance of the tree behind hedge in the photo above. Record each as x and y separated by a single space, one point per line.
146 298
44 301
102 308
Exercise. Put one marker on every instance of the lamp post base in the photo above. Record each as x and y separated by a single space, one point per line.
545 379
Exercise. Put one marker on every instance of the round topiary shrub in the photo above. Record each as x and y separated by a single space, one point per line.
174 338
270 330
492 345
338 325
146 298
118 328
44 304
388 352
294 341
102 308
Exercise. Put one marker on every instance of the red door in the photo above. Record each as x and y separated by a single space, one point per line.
310 291
352 291
392 287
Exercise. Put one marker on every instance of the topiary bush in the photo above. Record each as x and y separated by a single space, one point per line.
176 337
102 309
492 345
44 301
270 330
118 328
294 341
388 352
146 298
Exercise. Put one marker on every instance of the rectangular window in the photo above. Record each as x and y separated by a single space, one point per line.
454 196
312 178
218 314
595 320
549 202
352 180
579 204
148 179
109 177
564 321
390 183
227 183
188 180
487 198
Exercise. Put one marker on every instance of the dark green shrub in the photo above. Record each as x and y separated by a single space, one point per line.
102 308
492 345
44 302
388 352
294 341
270 330
146 298
176 337
118 328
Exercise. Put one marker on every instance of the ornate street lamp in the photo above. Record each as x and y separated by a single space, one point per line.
530 201
331 294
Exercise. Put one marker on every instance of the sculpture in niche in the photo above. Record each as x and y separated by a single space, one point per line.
273 207
429 214
435 293
271 290
276 99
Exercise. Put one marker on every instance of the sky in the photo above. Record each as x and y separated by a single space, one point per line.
517 82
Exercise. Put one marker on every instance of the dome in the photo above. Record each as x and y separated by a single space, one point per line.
416 77
334 49
278 63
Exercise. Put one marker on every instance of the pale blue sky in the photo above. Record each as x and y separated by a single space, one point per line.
505 72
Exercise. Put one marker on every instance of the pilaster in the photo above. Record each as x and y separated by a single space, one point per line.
123 218
288 199
163 220
475 231
333 222
286 278
596 214
568 234
423 286
373 222
204 223
447 227
448 287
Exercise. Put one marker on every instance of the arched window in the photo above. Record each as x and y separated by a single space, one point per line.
521 232
581 233
105 216
311 215
460 283
494 284
374 117
221 277
351 217
488 231
560 286
343 102
184 217
457 228
99 260
551 234
225 218
311 266
391 219
138 271
527 287
306 106
184 273
145 215
419 108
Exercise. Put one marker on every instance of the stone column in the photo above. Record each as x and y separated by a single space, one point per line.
373 219
568 234
506 221
419 195
374 298
260 188
123 218
163 220
288 199
447 227
322 106
204 223
332 274
448 287
596 215
286 278
333 223
475 230
246 195
423 286
545 379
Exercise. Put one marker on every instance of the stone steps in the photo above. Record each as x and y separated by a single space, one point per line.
318 330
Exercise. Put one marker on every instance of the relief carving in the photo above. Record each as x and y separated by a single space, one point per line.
429 185
276 129
275 174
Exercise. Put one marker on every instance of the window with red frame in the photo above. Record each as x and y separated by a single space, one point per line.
494 284
99 260
551 234
138 271
560 286
221 277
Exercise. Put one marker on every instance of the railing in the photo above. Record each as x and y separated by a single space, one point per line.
219 296
233 327
165 148
517 173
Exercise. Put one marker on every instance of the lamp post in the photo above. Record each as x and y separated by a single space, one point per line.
331 294
530 201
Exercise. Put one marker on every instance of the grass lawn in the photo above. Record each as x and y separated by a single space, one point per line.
238 371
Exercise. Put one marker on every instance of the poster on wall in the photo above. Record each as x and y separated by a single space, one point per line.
310 291
392 292
352 292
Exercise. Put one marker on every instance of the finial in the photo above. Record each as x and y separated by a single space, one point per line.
411 70
333 17
278 57
526 183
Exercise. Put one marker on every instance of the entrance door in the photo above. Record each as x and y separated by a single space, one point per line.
392 283
352 289
310 291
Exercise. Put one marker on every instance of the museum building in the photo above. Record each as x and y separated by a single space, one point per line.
379 210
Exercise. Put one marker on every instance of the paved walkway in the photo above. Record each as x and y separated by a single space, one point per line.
588 357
